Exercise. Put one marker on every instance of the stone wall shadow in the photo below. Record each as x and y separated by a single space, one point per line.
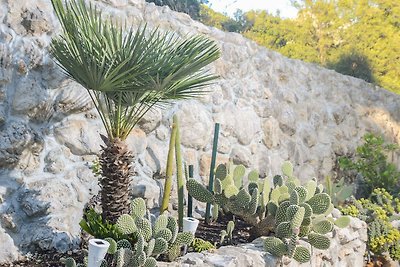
25 217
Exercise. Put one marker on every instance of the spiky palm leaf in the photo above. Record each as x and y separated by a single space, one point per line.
126 73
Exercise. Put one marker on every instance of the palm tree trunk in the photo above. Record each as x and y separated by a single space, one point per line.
116 164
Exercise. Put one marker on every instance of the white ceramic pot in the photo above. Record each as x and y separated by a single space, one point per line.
190 224
97 250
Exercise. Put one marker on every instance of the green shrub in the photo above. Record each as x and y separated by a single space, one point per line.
200 245
371 161
93 224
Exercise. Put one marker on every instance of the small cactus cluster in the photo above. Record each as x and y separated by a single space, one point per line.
378 211
228 232
290 210
152 240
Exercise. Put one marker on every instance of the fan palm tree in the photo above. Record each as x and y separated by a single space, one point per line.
126 72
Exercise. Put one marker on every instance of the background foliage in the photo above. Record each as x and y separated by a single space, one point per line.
360 38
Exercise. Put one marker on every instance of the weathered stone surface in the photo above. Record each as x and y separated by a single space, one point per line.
14 139
195 125
270 109
81 137
9 252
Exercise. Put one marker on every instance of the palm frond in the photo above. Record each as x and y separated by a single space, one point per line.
126 71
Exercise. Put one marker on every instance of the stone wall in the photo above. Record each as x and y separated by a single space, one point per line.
347 249
270 108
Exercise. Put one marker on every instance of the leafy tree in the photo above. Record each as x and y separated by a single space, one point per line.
126 73
372 162
355 37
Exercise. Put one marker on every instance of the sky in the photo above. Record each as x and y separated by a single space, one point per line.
230 6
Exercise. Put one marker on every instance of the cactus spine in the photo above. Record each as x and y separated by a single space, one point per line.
179 173
169 170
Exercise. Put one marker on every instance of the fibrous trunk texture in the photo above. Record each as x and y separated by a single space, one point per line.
116 164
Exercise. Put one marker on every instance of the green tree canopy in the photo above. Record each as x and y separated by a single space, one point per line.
360 38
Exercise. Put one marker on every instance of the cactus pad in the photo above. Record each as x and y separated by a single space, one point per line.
217 186
164 233
173 227
239 171
283 197
221 172
323 227
174 252
342 222
126 225
302 193
277 180
284 230
302 254
123 243
319 241
291 211
252 207
160 246
281 212
231 190
161 223
287 168
297 218
320 203
272 207
229 228
144 228
253 176
150 262
199 191
242 199
275 246
150 247
308 210
304 230
138 207
294 198
311 187
185 238
252 186
113 245
68 262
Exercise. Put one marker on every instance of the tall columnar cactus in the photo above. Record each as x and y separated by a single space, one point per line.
290 210
174 146
169 170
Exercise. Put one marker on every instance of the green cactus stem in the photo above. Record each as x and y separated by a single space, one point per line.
169 170
179 173
190 198
212 169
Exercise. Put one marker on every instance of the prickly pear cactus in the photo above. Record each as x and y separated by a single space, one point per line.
244 196
152 240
